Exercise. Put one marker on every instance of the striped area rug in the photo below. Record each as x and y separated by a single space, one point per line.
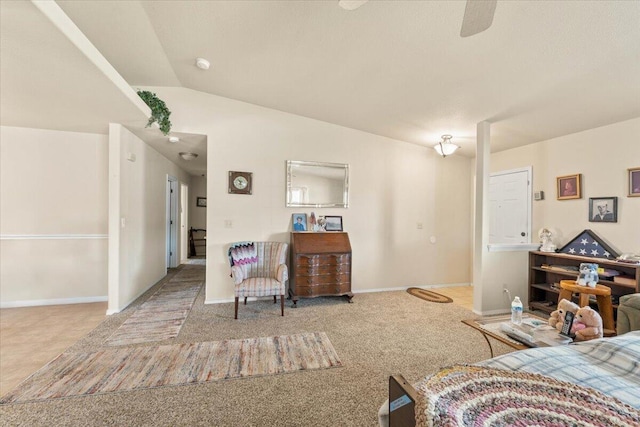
127 369
160 317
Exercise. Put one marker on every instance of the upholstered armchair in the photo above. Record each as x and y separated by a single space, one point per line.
628 314
259 269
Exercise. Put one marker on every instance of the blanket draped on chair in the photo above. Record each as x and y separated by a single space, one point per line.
242 253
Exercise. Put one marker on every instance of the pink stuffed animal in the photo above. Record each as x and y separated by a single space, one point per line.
587 324
557 317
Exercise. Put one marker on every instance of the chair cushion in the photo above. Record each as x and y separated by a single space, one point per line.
259 287
628 314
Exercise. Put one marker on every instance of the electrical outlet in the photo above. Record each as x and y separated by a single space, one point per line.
228 223
419 226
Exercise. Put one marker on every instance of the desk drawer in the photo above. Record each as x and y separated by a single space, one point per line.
322 259
326 289
321 279
313 270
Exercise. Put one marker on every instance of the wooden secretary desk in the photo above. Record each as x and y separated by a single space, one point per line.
320 265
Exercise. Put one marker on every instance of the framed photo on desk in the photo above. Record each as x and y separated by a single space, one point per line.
333 223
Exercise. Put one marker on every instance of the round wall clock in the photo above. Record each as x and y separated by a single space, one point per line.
240 182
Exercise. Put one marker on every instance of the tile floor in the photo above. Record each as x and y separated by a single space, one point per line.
461 295
30 337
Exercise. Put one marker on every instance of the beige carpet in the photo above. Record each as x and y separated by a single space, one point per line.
378 335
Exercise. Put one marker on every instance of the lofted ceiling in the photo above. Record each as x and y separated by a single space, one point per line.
393 68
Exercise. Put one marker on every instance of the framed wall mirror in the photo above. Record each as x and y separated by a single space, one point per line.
318 185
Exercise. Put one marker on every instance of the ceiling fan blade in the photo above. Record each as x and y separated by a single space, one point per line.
478 16
351 4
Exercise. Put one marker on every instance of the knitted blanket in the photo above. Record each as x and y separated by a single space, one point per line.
242 253
476 396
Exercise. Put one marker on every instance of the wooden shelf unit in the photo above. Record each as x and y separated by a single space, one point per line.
543 295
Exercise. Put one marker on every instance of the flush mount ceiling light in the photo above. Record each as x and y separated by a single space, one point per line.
351 4
202 63
188 156
173 139
445 147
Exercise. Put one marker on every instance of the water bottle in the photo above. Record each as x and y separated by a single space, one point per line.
516 311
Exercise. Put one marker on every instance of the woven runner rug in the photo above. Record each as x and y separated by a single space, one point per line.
126 369
160 317
475 396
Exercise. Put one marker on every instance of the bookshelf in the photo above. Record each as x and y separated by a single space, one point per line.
546 269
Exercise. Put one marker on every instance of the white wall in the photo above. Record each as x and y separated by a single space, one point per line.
53 217
137 195
394 186
602 155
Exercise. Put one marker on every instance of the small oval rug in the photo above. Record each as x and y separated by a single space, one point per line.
428 295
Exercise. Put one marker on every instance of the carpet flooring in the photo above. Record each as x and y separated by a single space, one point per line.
378 335
126 369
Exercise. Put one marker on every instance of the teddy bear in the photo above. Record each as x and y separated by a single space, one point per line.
557 317
587 324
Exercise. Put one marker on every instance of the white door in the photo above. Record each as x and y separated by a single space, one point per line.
172 222
184 214
510 206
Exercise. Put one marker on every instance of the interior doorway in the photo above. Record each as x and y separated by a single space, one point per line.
198 218
172 222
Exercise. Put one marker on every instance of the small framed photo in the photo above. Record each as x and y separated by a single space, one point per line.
201 202
333 223
634 182
569 187
299 222
603 209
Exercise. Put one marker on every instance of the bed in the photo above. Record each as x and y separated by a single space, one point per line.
588 379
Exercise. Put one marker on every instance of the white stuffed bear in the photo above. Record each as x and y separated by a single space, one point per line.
588 275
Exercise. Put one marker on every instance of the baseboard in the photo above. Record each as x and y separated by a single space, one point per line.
359 291
165 278
225 300
404 288
492 312
55 301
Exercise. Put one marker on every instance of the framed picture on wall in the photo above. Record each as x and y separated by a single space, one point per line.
634 182
569 187
333 223
201 202
603 209
299 222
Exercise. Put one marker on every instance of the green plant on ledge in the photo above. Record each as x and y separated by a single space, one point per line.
159 111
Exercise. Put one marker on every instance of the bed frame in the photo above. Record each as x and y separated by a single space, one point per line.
402 398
